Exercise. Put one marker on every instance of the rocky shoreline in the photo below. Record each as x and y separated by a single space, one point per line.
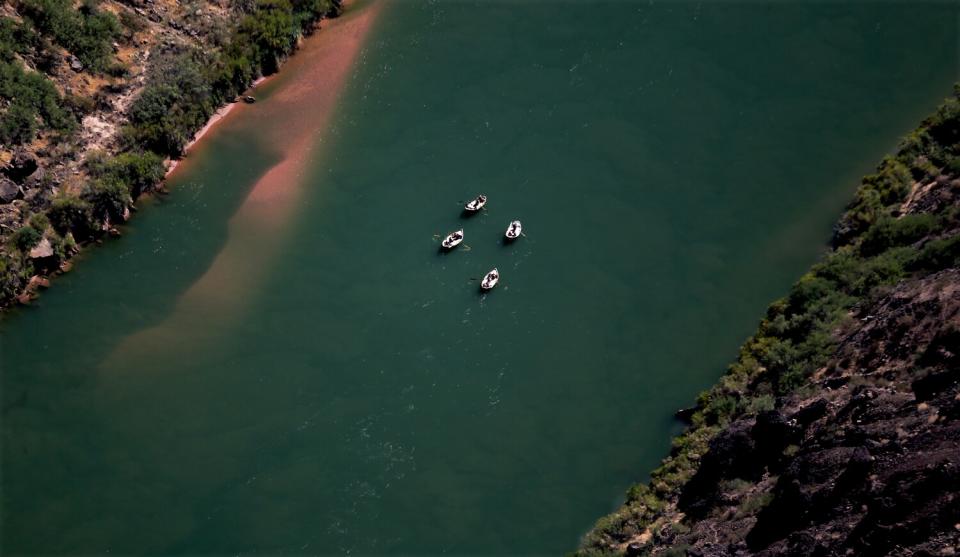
836 431
64 189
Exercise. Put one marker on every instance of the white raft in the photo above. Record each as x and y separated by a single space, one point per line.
453 239
514 230
476 204
490 280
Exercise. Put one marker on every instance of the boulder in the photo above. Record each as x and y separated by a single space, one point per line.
929 386
811 412
75 64
42 250
43 257
37 282
772 433
9 191
685 415
732 454
22 165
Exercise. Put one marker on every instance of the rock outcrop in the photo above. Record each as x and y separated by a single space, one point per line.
9 191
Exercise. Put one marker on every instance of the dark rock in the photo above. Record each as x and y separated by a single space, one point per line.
634 549
811 412
22 165
772 433
75 64
926 388
731 455
685 414
858 468
9 191
943 350
917 501
785 514
835 382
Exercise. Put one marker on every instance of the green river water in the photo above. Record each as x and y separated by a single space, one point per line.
676 166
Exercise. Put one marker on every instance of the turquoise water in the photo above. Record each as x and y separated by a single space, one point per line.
676 167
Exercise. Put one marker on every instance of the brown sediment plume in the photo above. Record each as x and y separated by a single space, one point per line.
298 111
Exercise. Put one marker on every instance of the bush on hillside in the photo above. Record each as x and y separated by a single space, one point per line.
139 171
32 100
15 270
26 237
108 199
71 215
86 32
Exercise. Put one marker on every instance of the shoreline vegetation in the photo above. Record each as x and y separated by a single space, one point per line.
69 176
239 266
858 332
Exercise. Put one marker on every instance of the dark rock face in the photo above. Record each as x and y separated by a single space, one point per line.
732 455
868 465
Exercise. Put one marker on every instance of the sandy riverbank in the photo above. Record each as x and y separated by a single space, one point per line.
219 115
295 121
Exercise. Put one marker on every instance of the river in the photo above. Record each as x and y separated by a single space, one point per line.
276 358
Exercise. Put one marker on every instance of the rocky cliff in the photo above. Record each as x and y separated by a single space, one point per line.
836 431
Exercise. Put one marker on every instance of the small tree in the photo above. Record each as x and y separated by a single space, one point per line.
108 199
70 214
26 237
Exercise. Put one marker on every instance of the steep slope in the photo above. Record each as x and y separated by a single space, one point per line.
836 432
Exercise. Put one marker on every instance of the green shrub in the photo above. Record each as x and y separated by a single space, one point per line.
890 232
721 409
937 254
18 125
760 403
132 21
15 270
139 171
87 32
108 199
79 106
185 87
32 99
175 103
753 504
39 221
70 215
26 237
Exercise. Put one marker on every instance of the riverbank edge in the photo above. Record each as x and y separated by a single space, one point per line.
41 270
901 231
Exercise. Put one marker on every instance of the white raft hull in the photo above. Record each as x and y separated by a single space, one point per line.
514 230
452 240
490 280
